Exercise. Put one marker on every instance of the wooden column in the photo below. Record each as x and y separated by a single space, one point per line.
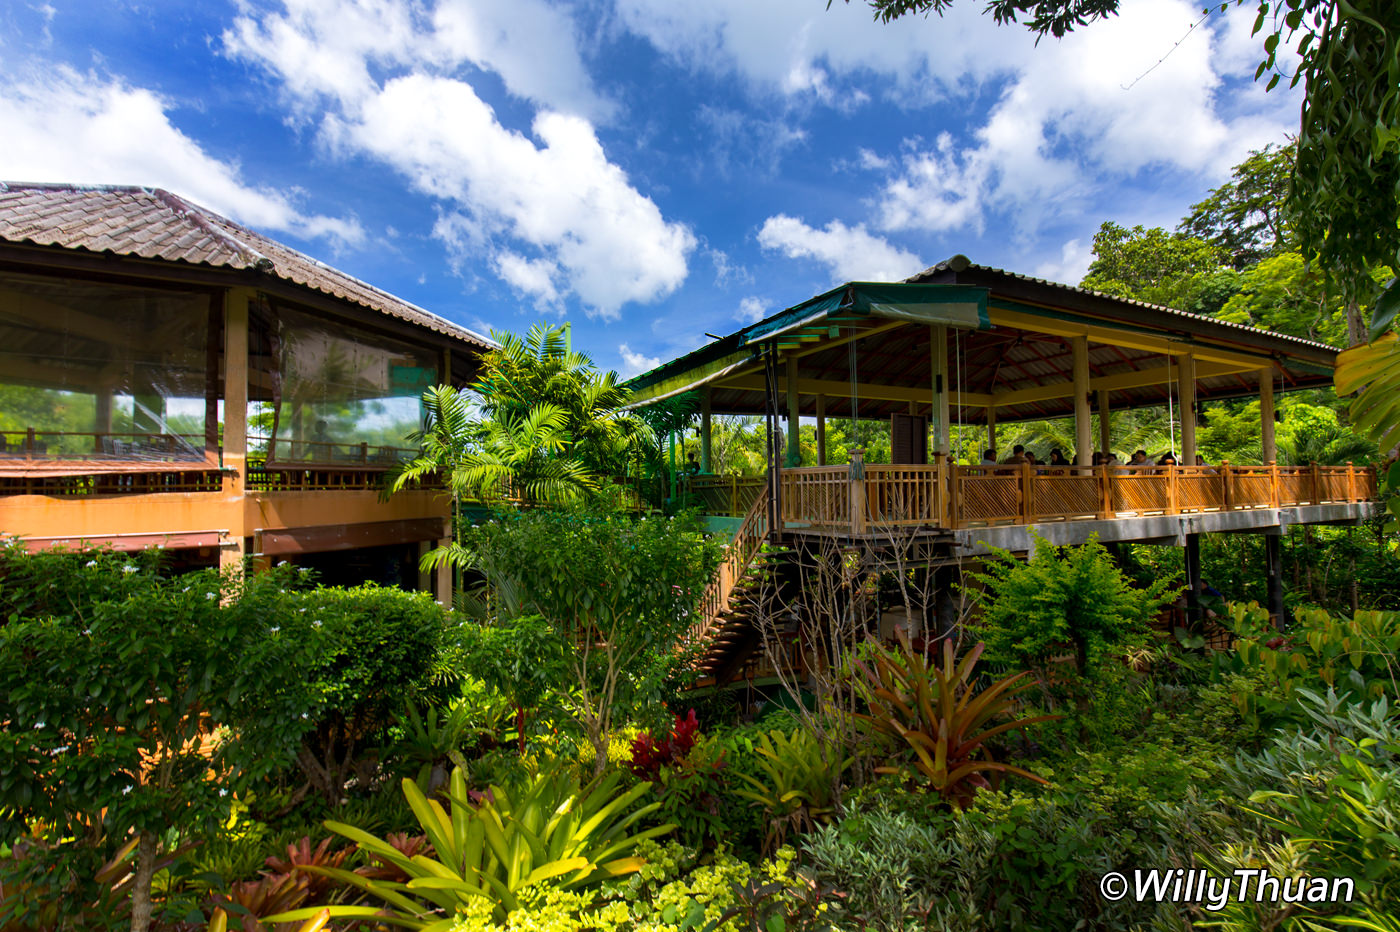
1083 428
1186 390
992 429
939 359
1105 425
705 430
1266 416
235 449
821 430
794 437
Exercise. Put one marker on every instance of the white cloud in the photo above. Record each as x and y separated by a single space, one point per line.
752 310
799 48
851 253
635 363
1072 265
1084 110
381 77
533 276
88 129
334 48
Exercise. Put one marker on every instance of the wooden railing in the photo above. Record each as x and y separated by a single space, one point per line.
868 497
738 557
729 496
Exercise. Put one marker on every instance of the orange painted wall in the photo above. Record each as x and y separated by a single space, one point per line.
175 512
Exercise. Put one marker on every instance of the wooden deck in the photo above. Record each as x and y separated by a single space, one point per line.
881 498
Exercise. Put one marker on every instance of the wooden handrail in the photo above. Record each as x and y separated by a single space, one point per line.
946 495
738 556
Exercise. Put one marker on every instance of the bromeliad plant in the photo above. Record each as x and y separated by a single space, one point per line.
550 831
941 714
801 775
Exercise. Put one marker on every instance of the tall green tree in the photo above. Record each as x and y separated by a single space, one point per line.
1246 216
1342 204
1151 265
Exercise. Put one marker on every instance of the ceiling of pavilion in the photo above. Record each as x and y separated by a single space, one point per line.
873 358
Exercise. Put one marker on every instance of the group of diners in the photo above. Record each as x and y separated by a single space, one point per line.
1139 459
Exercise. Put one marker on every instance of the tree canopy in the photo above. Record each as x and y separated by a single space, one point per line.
1343 203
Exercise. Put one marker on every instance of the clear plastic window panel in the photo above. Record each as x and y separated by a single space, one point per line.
93 371
326 393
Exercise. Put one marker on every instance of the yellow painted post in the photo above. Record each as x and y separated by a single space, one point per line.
1083 429
1027 505
1227 486
232 549
1266 416
1186 391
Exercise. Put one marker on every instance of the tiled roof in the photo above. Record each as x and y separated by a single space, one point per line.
961 263
154 224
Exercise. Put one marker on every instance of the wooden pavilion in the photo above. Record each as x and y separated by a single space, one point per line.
962 344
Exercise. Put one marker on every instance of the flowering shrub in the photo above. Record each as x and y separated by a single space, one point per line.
650 755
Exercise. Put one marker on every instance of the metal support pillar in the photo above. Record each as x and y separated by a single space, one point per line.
1193 581
1273 556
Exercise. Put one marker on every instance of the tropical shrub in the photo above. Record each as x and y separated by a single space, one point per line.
1355 656
370 648
942 715
137 704
1062 601
618 592
799 784
489 849
687 773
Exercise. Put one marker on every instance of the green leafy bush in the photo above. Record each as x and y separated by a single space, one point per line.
1355 656
1070 601
137 704
369 649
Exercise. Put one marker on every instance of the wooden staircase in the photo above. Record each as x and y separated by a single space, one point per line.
725 607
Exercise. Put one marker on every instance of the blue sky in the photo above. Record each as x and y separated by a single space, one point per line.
648 169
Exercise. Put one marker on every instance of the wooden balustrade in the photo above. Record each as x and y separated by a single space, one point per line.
715 601
883 496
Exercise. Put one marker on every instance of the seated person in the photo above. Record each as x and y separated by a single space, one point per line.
1057 458
1017 457
1139 459
989 458
1168 459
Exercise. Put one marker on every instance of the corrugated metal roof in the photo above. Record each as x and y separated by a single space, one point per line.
151 223
959 263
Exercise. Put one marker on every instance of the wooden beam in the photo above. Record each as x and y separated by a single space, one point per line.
1105 423
821 430
1130 339
837 389
843 340
1158 375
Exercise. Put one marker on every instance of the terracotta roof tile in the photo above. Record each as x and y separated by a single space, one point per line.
151 223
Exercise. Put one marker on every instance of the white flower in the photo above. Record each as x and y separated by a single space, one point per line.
223 792
274 629
281 562
129 569
90 563
87 631
211 596
125 790
316 623
39 724
61 749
